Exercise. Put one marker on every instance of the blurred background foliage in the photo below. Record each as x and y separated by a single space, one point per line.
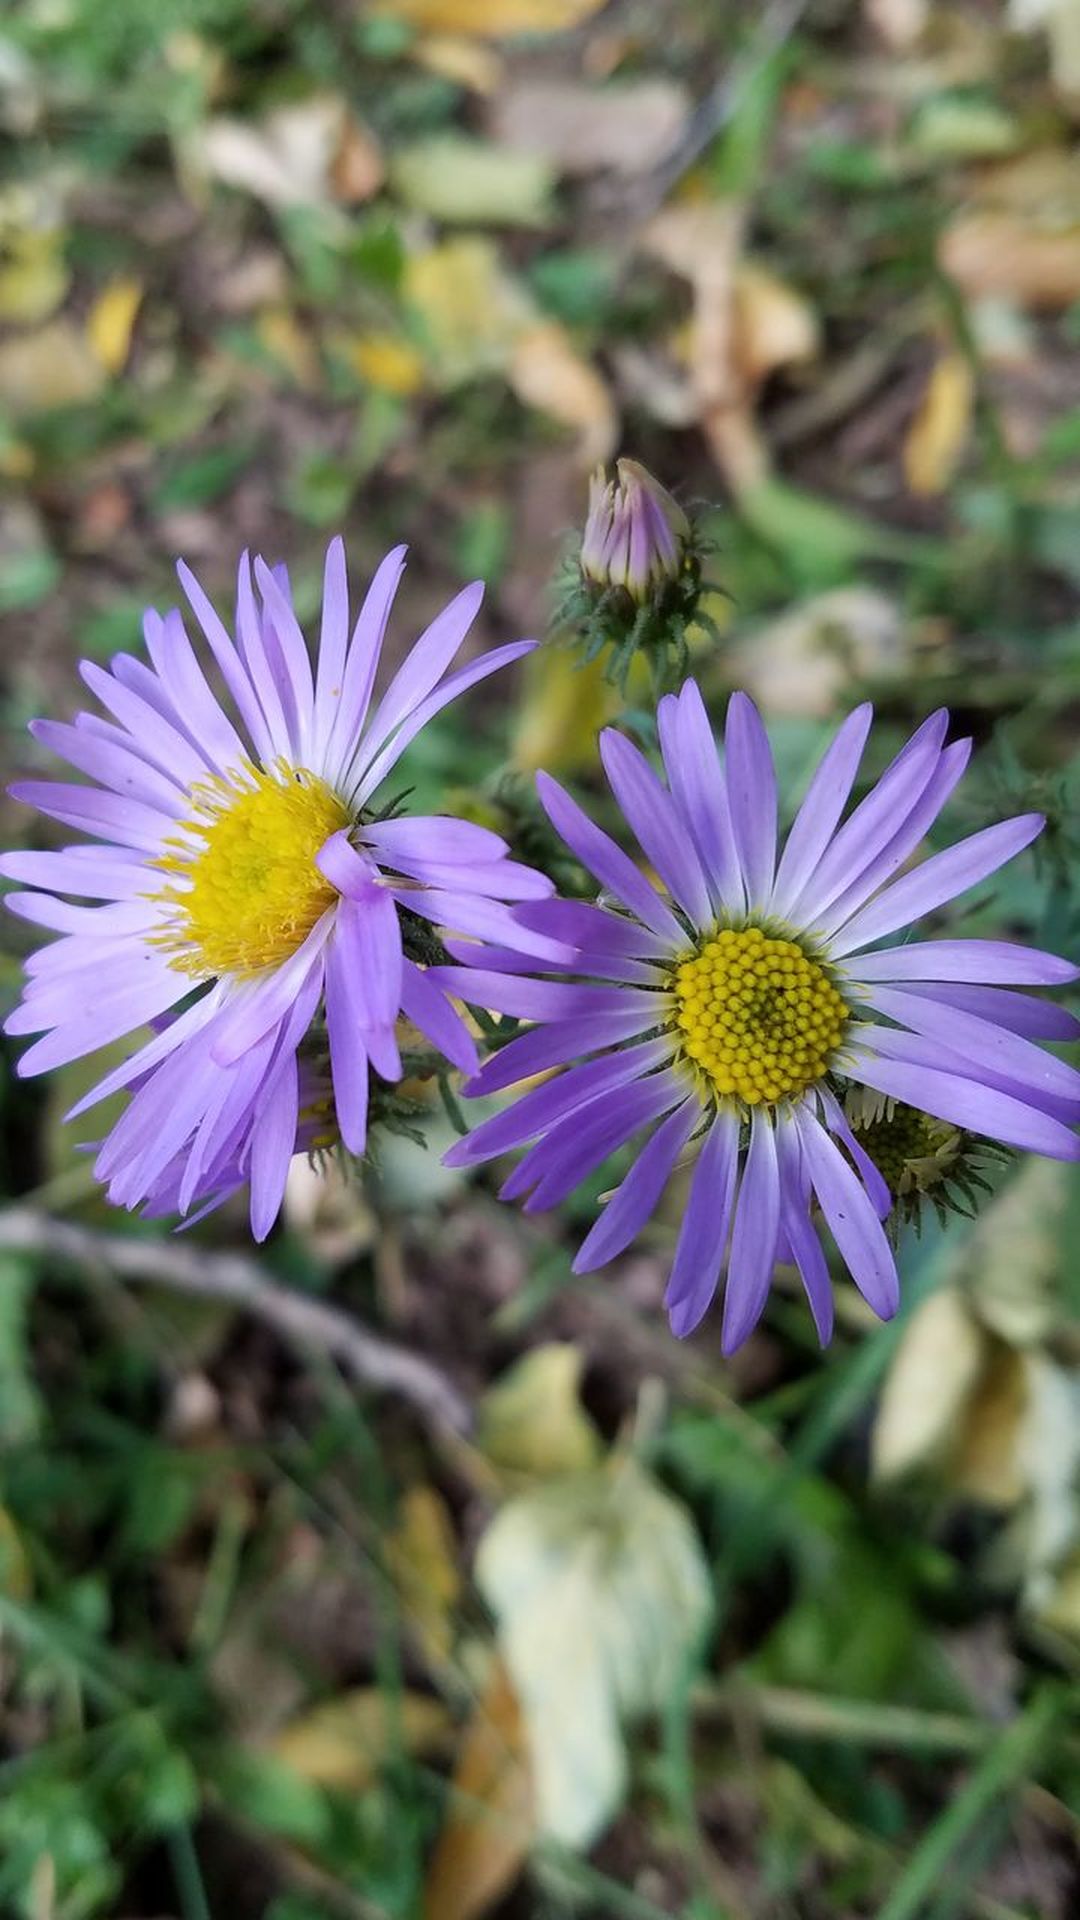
789 1638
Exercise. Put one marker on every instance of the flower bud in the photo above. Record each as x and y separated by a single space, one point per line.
635 534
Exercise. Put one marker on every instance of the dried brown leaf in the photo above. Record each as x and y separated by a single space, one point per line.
583 129
491 1819
548 373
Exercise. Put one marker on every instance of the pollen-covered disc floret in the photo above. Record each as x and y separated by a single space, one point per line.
249 889
759 1019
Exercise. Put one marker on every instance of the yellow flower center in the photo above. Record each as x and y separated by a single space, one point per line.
251 892
759 1019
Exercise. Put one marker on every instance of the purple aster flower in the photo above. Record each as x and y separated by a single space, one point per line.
731 1011
245 871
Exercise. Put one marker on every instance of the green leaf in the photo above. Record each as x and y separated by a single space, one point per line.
462 180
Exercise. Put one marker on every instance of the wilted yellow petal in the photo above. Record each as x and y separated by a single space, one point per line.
939 432
388 362
110 322
491 19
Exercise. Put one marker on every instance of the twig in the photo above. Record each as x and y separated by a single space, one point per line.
863 1723
303 1322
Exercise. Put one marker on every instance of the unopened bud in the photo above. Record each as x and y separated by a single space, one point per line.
635 535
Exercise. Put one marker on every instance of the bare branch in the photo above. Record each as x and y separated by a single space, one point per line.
303 1322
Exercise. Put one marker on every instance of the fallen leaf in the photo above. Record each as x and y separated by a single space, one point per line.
936 439
1013 1264
1060 20
899 22
802 662
461 60
702 242
386 361
285 158
281 334
773 325
358 169
346 1742
929 1387
601 1594
460 180
490 1819
563 707
628 128
1021 240
1040 1546
325 1203
111 320
468 308
531 1421
422 1556
490 19
34 274
1060 1608
548 373
1049 1449
987 1464
52 367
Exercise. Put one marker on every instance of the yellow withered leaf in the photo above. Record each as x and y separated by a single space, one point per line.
111 321
532 1421
468 308
939 432
346 1742
422 1557
388 362
491 19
